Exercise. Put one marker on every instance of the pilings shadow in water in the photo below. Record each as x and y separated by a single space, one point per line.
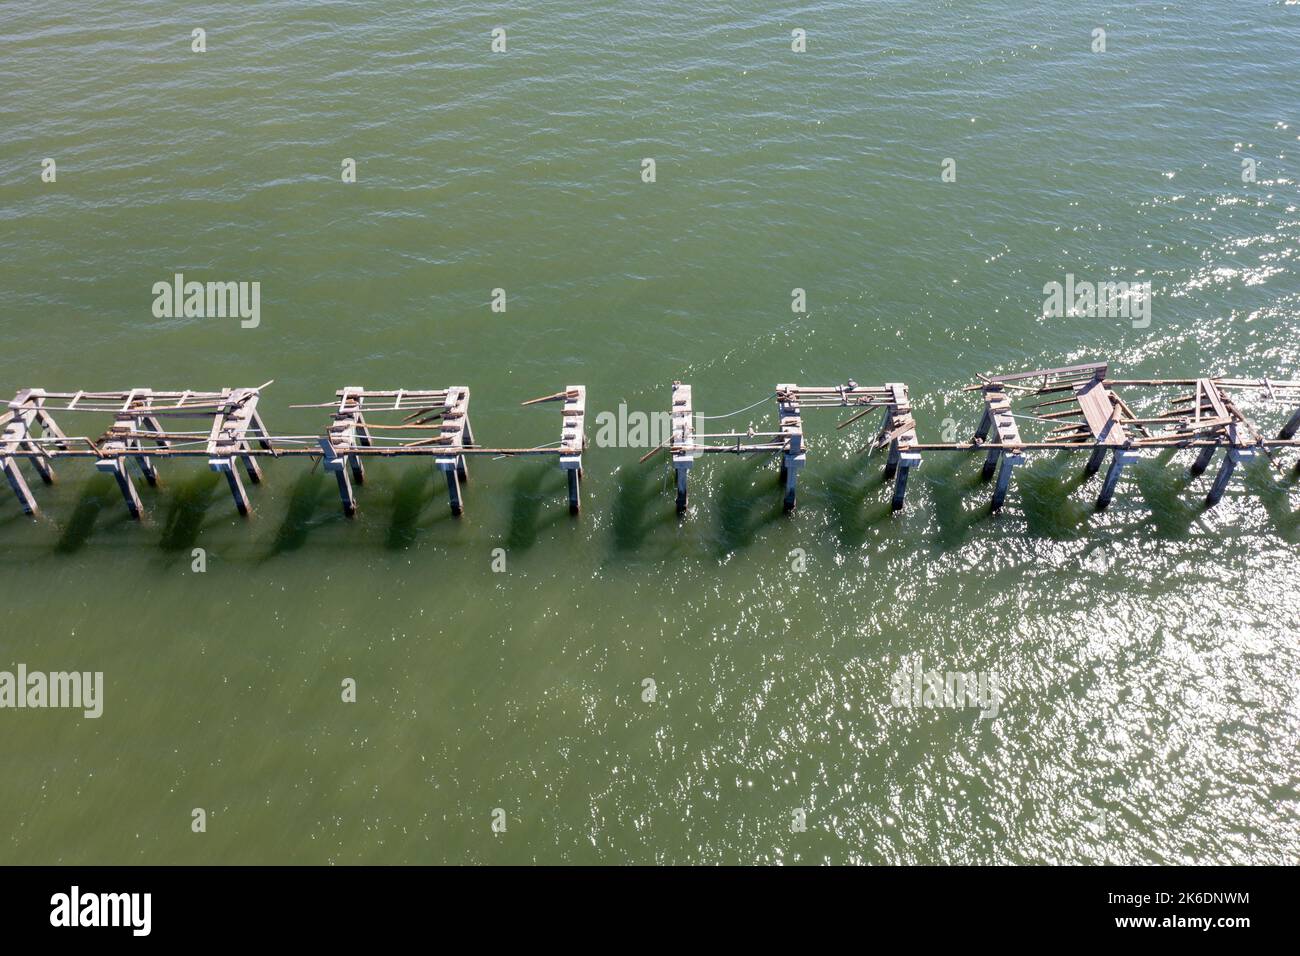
532 494
855 498
951 484
188 504
746 503
305 500
414 493
638 505
1164 489
99 492
1047 489
1274 492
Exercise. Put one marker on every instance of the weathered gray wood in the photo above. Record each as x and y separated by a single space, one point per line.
1203 459
575 491
1234 457
794 457
991 463
19 485
237 491
1095 459
1291 427
345 492
1004 480
1119 459
900 487
129 494
453 491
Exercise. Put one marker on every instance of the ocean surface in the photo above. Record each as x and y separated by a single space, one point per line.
1147 656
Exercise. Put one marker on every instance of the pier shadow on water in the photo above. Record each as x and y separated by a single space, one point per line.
747 501
1273 488
305 499
1048 489
414 493
98 493
532 495
640 504
859 497
1175 498
186 509
951 481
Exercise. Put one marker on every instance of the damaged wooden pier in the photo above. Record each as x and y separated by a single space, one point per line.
226 428
1083 408
897 432
1073 408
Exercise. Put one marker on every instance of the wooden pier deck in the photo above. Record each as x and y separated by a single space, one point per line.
897 432
226 428
1079 407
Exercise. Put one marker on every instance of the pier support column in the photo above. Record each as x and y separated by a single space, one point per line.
986 422
147 466
1234 457
448 467
348 499
1203 459
682 438
573 438
148 470
1291 427
793 457
365 441
19 485
339 465
253 468
575 491
891 462
790 471
42 466
118 468
1004 479
1289 431
572 465
1113 473
1094 460
906 462
991 463
237 489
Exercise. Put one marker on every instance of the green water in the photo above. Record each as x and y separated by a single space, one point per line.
1147 655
